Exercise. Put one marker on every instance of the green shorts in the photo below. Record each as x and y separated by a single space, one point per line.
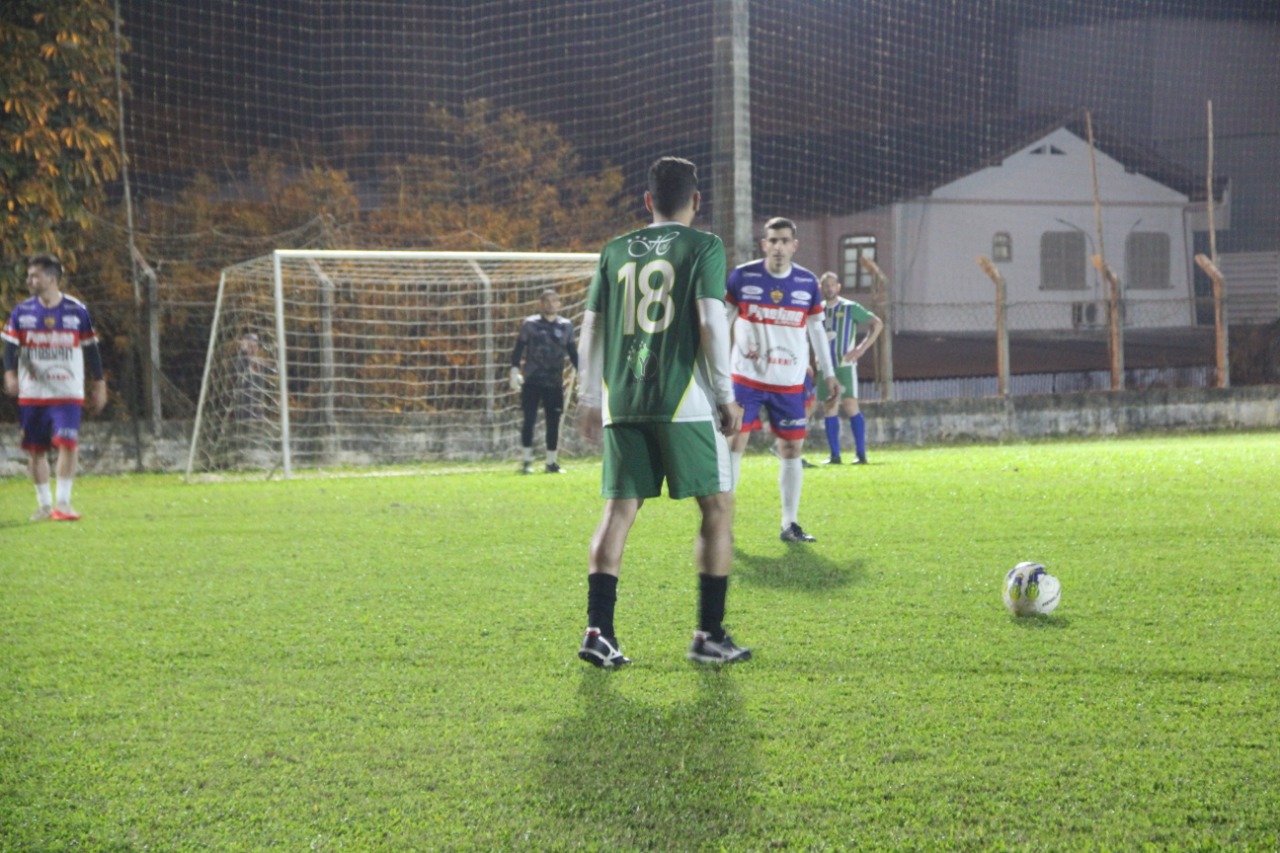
847 376
693 457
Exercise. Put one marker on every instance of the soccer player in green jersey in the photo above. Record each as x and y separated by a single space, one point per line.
655 385
843 316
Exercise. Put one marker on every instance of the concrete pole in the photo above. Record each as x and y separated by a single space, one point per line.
731 130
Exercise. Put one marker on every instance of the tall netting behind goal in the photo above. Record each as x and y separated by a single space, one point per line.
918 134
344 358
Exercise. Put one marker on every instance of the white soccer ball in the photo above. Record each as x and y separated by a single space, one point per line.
1030 590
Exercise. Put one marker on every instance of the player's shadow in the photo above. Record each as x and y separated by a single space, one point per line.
628 774
801 568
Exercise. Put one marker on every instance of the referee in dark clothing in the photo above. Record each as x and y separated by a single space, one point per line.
545 340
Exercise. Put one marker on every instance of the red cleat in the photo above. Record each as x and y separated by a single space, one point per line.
64 512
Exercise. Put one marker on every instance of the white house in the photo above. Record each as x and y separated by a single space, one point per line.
1030 209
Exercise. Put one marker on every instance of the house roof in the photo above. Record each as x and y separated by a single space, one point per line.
850 172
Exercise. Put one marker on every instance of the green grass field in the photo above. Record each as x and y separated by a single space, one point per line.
389 663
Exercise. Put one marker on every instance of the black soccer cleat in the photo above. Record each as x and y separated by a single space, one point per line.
706 650
553 468
599 650
805 463
833 460
862 460
795 534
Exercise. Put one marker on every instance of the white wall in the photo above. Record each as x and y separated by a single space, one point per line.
936 273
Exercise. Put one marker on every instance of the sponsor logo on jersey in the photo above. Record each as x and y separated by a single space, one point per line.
752 292
782 356
70 321
27 321
640 246
52 339
803 296
781 316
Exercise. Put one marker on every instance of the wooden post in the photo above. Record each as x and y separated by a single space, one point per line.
1002 326
1115 325
884 356
1219 320
1210 266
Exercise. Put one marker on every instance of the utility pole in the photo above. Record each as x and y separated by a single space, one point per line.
731 130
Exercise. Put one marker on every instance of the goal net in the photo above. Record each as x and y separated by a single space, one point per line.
347 358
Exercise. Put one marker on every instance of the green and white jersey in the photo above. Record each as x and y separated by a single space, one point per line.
842 321
644 295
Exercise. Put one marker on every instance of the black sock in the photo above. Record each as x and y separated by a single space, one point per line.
711 594
602 592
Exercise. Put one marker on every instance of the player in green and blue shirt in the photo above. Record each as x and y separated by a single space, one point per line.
843 316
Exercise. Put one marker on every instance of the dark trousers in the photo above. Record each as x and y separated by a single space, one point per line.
551 398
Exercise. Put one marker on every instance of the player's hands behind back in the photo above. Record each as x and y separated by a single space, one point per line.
730 419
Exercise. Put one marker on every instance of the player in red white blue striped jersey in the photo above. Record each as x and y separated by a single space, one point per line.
777 313
49 347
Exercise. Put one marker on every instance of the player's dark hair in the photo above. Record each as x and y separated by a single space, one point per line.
46 263
781 222
672 183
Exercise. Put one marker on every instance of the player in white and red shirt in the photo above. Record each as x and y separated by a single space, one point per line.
49 346
777 313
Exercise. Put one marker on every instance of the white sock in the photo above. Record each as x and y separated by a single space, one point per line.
790 480
528 454
64 490
551 457
735 460
43 496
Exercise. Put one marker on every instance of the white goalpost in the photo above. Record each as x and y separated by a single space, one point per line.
323 358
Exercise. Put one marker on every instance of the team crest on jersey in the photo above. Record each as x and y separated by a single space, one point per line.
50 322
640 360
776 295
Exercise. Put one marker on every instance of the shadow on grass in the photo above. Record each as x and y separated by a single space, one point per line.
800 568
1042 622
627 774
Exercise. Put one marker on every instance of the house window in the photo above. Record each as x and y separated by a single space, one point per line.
852 250
1062 261
1146 260
1002 247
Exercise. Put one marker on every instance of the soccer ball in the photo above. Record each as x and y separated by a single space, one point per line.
1030 590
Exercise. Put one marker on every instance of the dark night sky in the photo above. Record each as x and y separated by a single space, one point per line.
350 82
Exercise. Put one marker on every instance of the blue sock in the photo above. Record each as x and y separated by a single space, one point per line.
859 424
833 435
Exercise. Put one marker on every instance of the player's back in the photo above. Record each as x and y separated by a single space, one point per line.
645 298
